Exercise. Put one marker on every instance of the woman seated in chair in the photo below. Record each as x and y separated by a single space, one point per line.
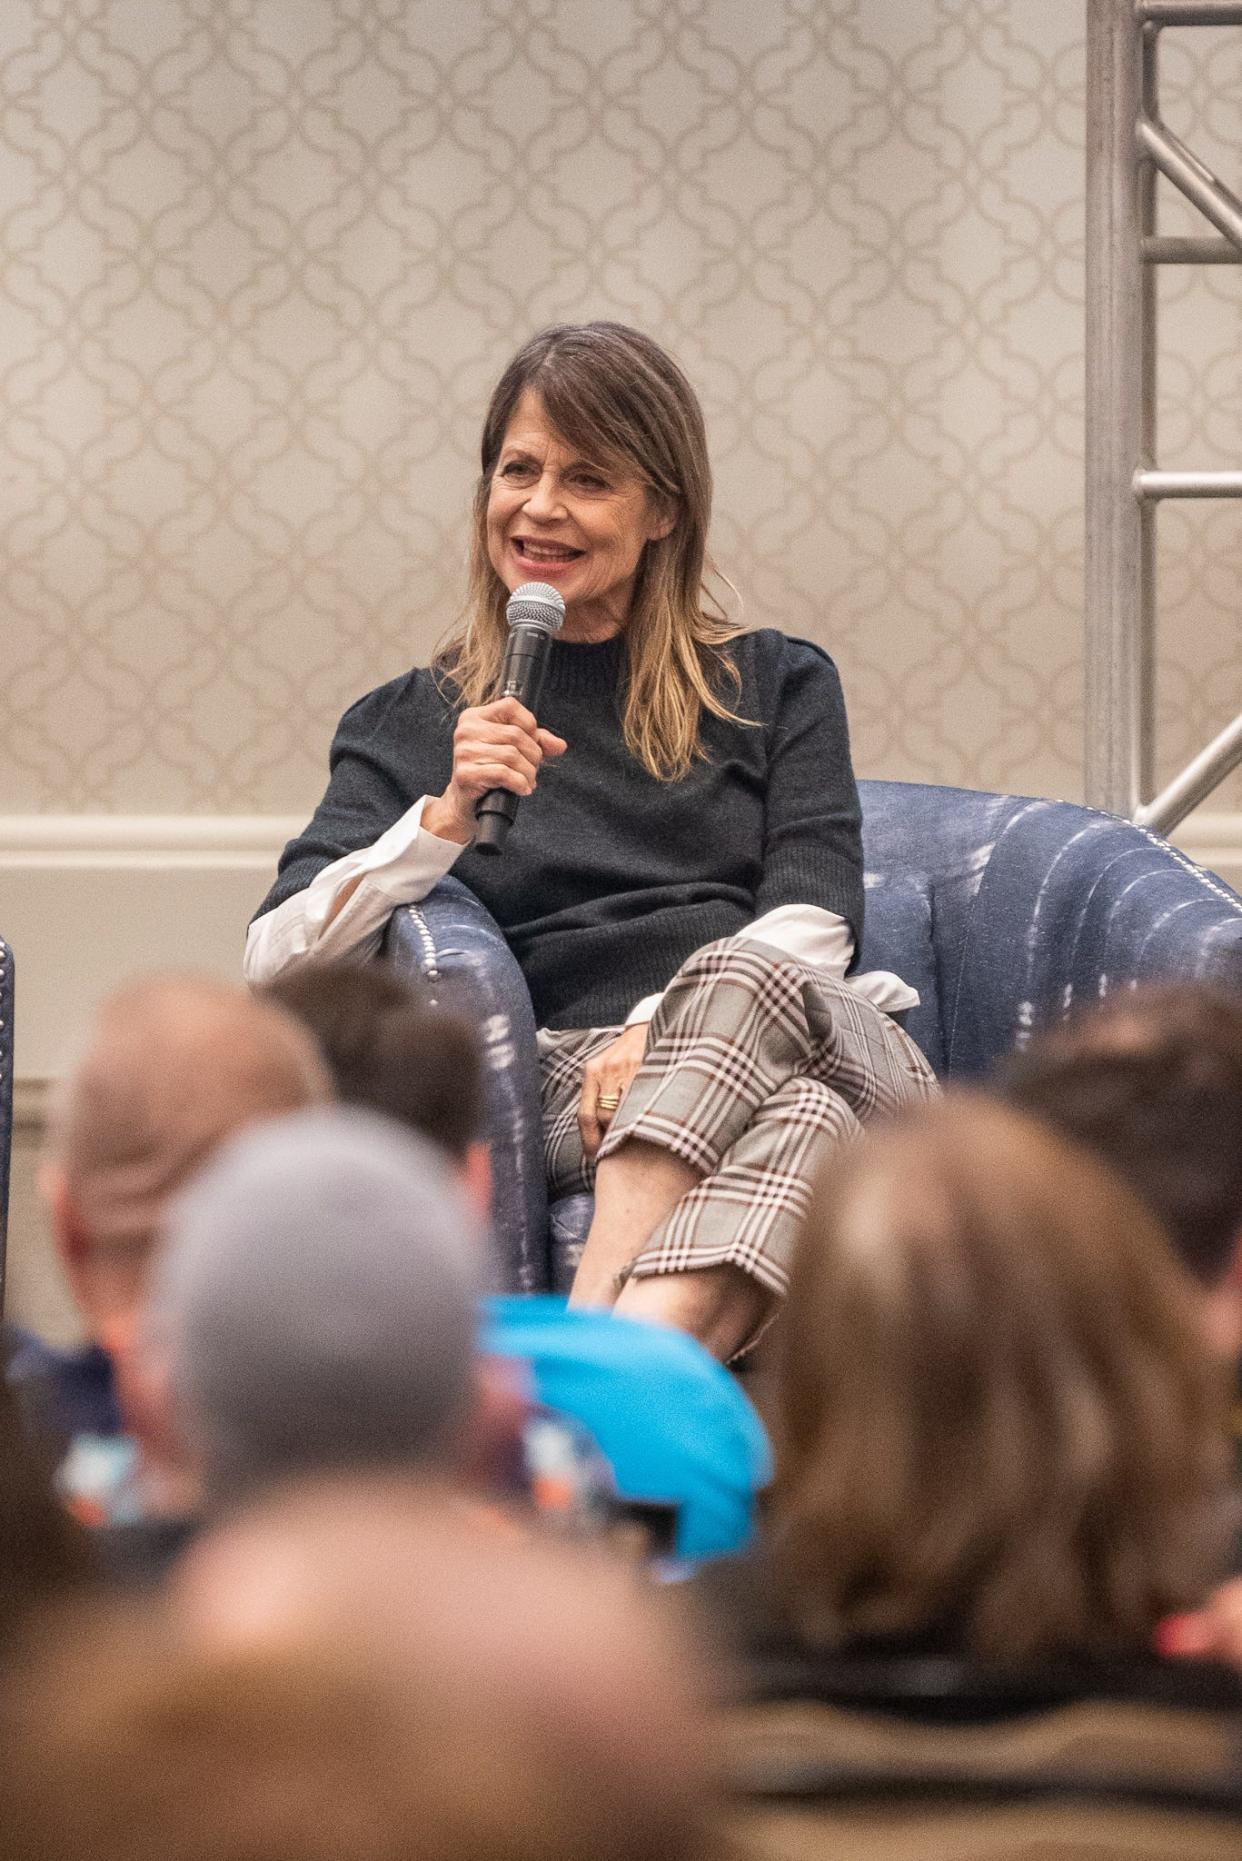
683 886
998 1435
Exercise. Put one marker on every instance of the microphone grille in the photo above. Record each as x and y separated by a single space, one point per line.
535 604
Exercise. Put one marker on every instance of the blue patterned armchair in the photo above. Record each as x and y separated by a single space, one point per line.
1003 911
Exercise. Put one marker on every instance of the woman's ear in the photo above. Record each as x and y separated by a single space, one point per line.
663 519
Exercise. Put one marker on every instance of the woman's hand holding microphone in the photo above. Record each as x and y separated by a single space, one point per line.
500 745
497 745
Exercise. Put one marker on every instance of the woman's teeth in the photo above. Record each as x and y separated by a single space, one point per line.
543 552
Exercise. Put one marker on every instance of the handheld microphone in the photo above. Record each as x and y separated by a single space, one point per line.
534 613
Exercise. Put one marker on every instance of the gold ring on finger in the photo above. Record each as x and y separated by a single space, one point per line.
608 1101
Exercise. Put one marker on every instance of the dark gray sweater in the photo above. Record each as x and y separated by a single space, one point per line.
610 878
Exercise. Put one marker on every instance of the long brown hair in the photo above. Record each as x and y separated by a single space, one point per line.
614 396
997 1420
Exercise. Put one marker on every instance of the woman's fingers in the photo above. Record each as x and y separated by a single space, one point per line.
590 1129
594 1117
480 748
508 715
507 711
476 733
481 763
495 775
605 1080
496 745
527 741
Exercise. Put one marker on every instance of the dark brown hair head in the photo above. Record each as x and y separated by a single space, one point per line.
996 1422
1151 1080
389 1050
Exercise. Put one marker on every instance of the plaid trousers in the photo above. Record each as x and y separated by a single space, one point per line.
755 1065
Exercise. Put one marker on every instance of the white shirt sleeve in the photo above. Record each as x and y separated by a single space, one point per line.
397 869
825 941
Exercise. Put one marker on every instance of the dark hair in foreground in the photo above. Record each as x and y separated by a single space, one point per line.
387 1050
619 400
44 1554
996 1424
1151 1080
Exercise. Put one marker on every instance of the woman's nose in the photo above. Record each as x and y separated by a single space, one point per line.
544 501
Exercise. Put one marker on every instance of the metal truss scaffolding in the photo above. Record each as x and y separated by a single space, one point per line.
1127 146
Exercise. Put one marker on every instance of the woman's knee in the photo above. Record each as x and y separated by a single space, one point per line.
738 957
805 1100
734 992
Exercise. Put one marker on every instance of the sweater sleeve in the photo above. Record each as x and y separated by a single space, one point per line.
345 908
812 851
390 748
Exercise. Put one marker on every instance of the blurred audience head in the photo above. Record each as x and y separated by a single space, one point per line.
173 1065
997 1424
1151 1080
414 1684
390 1051
314 1304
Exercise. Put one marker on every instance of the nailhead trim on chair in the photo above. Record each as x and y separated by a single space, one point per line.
428 964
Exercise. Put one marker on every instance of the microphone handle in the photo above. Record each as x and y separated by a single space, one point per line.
521 677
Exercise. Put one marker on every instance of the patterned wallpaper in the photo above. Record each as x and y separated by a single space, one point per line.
262 259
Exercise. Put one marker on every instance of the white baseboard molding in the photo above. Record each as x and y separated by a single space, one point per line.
31 1098
87 900
75 842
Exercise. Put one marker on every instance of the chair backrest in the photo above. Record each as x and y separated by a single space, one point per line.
1005 911
6 1097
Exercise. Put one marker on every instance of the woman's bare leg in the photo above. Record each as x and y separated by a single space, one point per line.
635 1188
722 1306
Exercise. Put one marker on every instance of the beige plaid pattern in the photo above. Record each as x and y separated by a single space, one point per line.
755 1065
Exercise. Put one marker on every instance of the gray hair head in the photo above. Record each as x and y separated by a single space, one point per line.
315 1304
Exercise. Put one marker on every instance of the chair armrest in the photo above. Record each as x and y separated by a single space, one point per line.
1074 903
455 948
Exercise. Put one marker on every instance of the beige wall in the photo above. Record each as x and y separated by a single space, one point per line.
261 264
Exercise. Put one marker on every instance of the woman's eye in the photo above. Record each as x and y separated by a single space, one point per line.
516 468
590 481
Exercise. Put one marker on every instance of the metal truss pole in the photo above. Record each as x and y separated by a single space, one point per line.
1119 611
1127 145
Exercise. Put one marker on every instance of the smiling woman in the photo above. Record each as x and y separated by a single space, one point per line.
595 438
580 525
683 889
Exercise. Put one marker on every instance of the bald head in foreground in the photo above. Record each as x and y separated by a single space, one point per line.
173 1065
364 1670
314 1307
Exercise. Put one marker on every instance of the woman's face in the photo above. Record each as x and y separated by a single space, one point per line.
556 517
